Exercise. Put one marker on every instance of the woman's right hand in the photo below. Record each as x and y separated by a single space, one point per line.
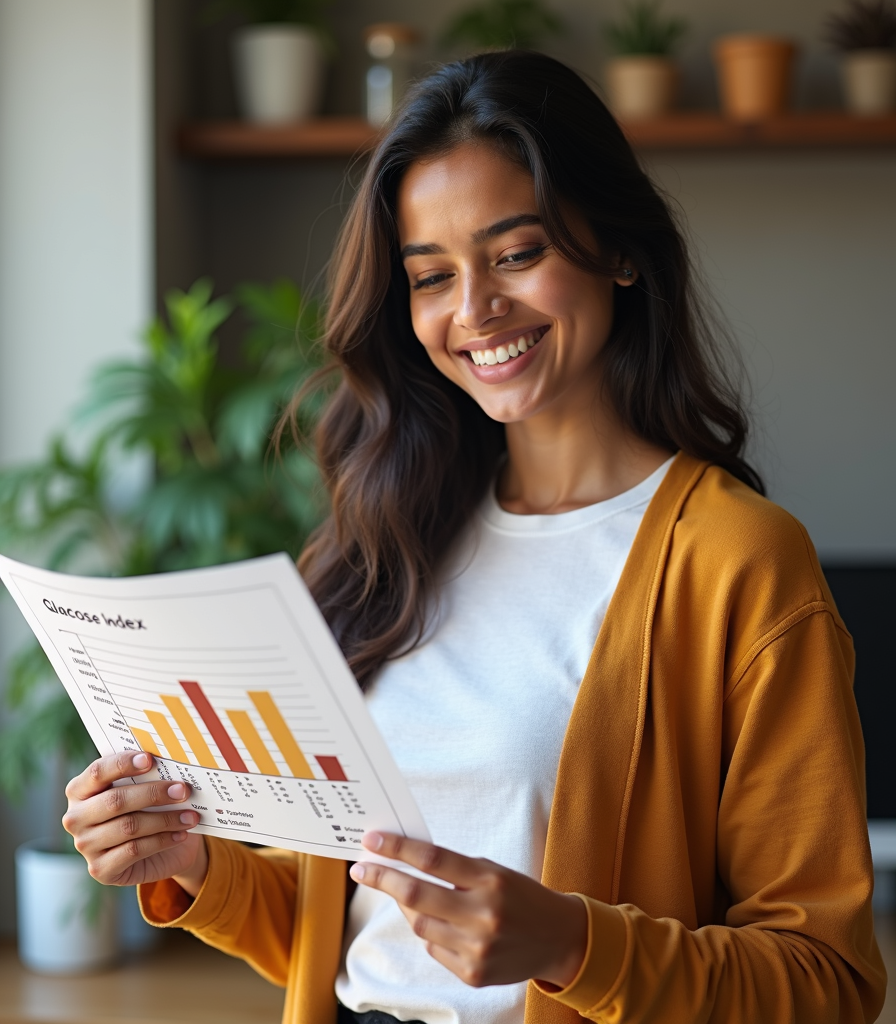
124 844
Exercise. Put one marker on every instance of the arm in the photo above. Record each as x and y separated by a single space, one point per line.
797 941
245 907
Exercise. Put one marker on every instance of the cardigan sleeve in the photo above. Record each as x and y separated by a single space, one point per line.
246 906
796 944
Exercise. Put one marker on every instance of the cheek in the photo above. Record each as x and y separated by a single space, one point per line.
429 329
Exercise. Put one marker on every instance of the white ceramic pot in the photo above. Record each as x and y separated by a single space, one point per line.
67 922
641 87
279 72
869 81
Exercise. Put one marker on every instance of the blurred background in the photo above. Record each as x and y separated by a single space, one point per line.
103 211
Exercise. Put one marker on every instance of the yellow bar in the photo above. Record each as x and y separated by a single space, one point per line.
270 715
167 735
191 731
146 741
254 743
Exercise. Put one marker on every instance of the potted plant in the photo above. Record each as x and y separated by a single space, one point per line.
502 24
278 58
865 35
755 75
209 491
643 78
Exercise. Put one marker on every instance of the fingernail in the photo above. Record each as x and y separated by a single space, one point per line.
373 840
177 791
187 818
357 871
142 761
178 837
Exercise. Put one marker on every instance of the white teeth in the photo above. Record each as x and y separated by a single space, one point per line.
501 354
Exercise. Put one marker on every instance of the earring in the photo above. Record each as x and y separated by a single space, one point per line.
627 272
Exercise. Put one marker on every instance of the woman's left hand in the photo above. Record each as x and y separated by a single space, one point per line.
496 927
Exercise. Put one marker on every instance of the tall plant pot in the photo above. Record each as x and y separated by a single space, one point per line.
869 81
755 75
279 72
67 922
642 86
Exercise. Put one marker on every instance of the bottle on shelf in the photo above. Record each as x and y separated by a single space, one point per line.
391 47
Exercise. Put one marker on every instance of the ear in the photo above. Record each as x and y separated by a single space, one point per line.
627 276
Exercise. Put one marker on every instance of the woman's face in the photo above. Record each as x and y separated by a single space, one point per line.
499 311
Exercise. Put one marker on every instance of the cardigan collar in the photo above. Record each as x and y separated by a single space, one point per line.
609 711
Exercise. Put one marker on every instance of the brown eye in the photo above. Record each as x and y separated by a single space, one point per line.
524 257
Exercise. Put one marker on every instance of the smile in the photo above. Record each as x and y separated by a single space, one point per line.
504 353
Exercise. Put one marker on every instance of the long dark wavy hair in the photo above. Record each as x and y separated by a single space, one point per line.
407 455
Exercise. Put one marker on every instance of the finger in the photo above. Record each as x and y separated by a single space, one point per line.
111 865
118 800
409 892
470 972
128 827
461 871
104 771
434 931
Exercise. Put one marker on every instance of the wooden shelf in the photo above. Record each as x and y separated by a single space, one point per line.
350 136
319 137
824 129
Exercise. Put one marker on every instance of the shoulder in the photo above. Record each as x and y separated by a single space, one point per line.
723 516
741 556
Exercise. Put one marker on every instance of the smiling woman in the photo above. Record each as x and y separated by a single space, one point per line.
611 671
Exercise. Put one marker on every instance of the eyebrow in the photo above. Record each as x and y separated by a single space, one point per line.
480 236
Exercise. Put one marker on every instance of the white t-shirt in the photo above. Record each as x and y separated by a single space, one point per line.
475 717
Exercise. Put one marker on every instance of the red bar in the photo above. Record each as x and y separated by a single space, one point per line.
219 734
332 768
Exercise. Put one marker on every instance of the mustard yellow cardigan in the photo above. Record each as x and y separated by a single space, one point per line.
709 804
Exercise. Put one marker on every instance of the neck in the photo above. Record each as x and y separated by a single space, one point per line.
562 460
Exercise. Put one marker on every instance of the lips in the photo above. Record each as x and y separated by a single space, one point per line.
508 350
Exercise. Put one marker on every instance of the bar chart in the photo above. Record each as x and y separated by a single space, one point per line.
230 678
200 723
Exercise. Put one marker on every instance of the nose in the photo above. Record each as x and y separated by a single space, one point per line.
480 300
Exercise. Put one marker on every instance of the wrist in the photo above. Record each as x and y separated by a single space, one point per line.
191 880
573 947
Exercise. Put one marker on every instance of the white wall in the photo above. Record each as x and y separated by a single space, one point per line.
75 234
801 252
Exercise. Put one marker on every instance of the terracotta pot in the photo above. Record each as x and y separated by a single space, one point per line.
869 81
755 75
641 86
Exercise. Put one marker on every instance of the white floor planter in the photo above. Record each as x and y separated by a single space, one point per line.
869 81
279 72
641 87
67 922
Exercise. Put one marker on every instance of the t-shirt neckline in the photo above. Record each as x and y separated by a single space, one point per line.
558 522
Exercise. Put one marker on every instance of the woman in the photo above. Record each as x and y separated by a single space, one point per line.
533 446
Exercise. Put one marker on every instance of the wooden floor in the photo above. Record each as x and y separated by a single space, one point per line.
886 935
183 981
186 982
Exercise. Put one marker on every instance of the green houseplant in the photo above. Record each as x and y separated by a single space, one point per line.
865 34
211 492
500 24
642 78
278 57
